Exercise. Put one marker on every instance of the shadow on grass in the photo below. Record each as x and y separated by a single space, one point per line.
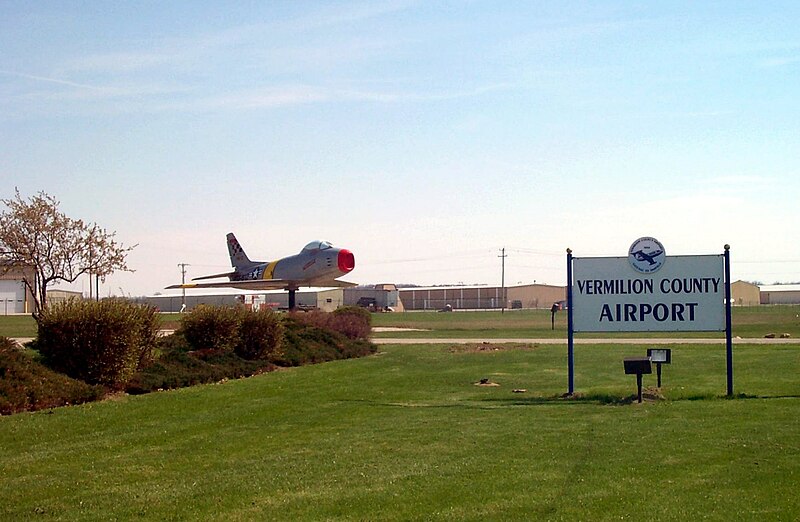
495 403
605 399
602 399
577 399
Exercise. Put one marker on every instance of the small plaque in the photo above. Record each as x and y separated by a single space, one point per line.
660 355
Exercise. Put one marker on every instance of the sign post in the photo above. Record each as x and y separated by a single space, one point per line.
570 327
728 321
659 356
638 366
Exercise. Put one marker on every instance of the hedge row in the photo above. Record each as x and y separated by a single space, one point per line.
351 321
250 335
92 347
27 385
197 358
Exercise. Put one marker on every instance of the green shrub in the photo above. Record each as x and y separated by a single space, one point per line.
98 342
149 324
305 343
26 385
251 335
351 321
260 335
260 341
179 366
212 327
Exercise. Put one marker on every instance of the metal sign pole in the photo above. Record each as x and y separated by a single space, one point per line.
728 322
570 332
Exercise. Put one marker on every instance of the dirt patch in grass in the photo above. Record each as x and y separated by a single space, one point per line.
490 347
649 394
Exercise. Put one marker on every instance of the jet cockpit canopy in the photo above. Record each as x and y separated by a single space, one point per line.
318 245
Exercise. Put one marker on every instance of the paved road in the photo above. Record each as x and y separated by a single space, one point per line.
478 340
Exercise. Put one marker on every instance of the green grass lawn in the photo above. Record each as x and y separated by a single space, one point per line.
25 325
17 326
748 322
406 435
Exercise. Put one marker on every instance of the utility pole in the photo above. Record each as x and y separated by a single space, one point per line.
183 266
503 257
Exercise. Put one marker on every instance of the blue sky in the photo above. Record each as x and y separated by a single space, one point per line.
424 136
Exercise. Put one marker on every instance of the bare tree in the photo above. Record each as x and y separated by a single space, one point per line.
34 233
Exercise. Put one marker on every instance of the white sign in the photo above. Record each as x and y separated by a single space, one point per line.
686 293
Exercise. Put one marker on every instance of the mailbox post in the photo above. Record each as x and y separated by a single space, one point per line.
638 366
659 356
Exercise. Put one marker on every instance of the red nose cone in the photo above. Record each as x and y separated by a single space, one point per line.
347 261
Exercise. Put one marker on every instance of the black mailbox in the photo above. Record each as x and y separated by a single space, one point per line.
637 365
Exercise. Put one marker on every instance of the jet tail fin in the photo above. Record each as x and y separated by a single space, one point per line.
238 258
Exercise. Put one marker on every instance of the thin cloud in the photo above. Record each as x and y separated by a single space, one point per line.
772 63
353 13
401 96
195 52
272 97
50 80
122 61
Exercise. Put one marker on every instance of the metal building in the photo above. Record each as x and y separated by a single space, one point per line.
481 297
374 297
780 294
745 294
325 299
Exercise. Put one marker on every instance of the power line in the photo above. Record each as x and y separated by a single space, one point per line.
449 255
535 252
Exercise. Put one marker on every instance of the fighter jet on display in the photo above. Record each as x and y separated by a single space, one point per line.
318 264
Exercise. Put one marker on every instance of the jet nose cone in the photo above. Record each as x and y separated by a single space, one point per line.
347 261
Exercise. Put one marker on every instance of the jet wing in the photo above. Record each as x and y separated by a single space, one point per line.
330 282
267 284
255 284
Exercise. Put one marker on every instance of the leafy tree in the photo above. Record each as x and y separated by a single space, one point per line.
34 233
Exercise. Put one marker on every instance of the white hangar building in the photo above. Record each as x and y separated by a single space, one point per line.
14 297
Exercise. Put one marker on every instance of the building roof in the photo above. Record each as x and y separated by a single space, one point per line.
780 288
193 292
472 287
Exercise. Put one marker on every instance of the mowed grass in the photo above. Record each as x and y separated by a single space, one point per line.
23 325
17 326
406 435
748 322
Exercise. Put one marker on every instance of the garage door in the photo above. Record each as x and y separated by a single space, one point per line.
12 297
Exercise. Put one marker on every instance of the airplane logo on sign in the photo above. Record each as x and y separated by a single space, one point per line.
646 255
